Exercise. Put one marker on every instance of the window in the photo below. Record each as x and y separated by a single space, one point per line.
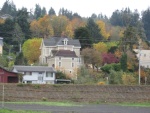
72 64
79 59
29 82
59 58
28 73
144 55
40 72
59 64
49 74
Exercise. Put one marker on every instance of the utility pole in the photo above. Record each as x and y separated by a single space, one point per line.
139 62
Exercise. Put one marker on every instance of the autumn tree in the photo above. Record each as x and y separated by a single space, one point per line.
109 58
35 28
59 24
102 28
101 47
45 26
92 56
31 50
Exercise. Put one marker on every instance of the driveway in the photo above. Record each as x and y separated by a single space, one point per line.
102 108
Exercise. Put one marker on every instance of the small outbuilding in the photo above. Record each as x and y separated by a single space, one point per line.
8 76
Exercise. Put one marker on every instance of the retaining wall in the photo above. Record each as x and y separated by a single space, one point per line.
77 93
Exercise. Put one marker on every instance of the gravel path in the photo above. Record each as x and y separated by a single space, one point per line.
79 109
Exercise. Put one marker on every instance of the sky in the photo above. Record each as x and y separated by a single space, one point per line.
84 8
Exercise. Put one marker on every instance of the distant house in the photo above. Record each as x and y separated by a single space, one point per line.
8 76
144 57
1 45
62 53
36 74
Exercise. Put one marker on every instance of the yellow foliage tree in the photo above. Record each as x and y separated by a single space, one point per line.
102 28
31 49
69 31
101 47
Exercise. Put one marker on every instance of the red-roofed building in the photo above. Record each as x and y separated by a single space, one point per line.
8 76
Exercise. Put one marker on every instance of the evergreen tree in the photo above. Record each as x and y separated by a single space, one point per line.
83 35
94 31
38 11
146 21
123 62
51 11
43 12
6 30
22 20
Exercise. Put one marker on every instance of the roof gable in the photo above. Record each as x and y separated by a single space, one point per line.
56 41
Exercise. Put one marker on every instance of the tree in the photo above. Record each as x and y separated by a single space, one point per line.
59 24
31 50
18 35
38 11
51 12
45 26
82 34
123 62
69 30
22 20
130 38
101 47
9 8
35 28
6 30
109 58
102 28
91 56
43 12
146 21
94 31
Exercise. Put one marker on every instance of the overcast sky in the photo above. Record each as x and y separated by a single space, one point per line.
84 7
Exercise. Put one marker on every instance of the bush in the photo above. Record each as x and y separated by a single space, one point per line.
113 66
128 79
115 77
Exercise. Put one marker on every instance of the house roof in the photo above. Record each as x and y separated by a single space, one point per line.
54 41
64 53
20 68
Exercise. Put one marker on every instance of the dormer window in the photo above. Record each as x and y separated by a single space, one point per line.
65 41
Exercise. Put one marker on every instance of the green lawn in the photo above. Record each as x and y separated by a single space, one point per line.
20 111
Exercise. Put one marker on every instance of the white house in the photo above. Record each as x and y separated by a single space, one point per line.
62 53
144 57
36 74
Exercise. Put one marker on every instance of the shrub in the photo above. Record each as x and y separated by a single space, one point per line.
128 79
101 83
